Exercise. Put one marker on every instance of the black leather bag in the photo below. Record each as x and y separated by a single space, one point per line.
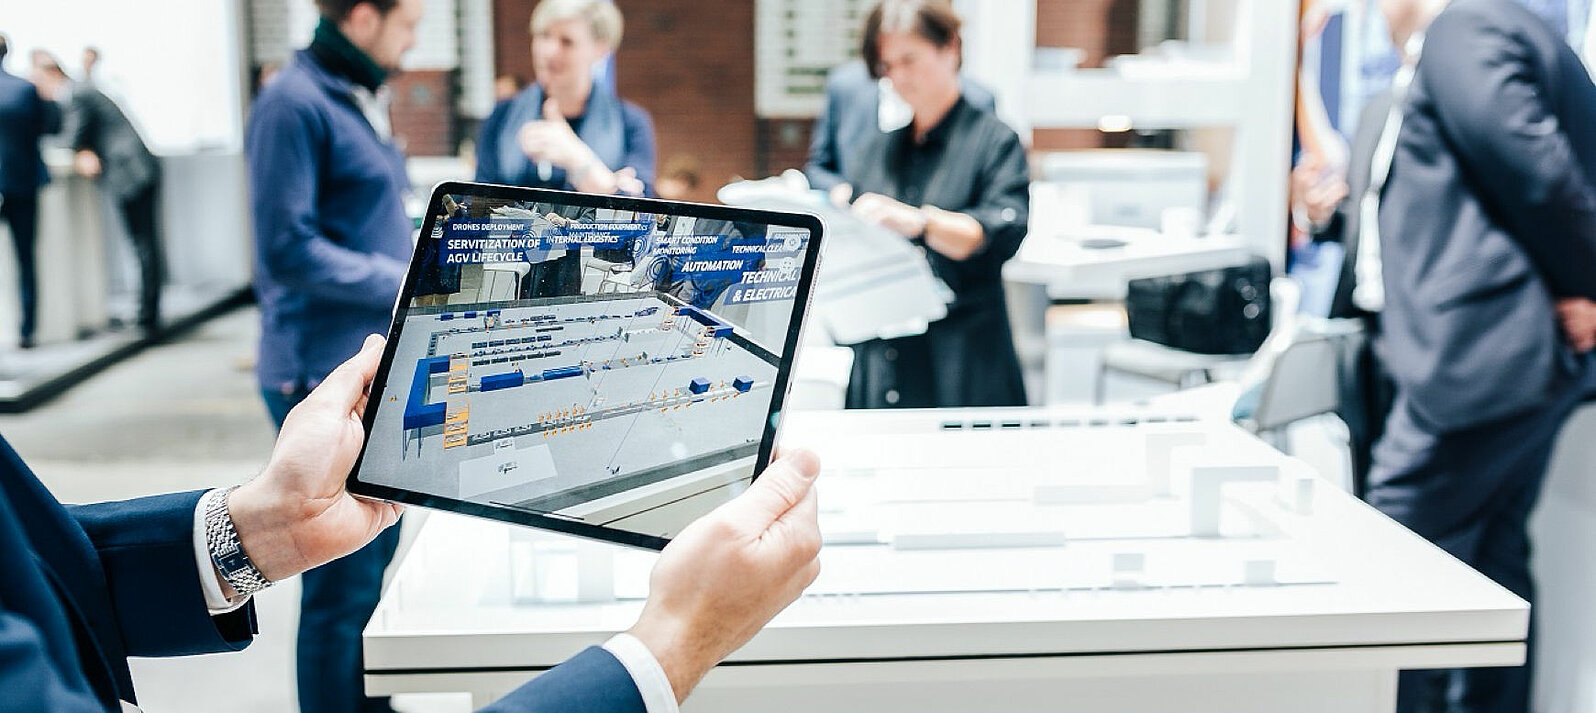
1224 311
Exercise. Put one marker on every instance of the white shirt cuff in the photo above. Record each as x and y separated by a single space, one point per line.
658 696
209 579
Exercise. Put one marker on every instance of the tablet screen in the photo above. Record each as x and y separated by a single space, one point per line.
604 363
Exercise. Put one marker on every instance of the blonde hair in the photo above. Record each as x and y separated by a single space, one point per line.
603 18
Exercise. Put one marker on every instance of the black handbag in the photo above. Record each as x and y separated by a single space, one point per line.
1223 311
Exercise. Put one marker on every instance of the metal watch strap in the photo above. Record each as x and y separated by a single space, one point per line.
221 540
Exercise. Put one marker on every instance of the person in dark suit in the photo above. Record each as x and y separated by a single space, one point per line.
955 181
25 116
107 147
82 588
1488 225
851 119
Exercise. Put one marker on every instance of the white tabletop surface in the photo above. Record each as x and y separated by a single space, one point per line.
1070 270
1344 575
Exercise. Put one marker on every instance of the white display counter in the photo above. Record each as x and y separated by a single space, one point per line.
1051 559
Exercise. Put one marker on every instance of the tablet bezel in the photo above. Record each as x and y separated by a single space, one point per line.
772 422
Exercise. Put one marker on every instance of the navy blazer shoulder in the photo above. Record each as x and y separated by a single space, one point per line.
1488 217
24 118
83 588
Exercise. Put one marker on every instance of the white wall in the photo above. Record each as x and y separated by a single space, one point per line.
175 67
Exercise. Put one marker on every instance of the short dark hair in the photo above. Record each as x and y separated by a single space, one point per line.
337 10
5 46
933 20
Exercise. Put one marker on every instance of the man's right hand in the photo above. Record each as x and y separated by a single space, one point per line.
726 575
1577 316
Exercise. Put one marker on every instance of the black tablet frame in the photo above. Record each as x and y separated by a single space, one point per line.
772 424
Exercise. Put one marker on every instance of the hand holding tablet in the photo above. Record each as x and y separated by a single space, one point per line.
614 371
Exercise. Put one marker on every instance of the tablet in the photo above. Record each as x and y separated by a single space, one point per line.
607 367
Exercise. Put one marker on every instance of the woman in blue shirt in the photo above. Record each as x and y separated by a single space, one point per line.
567 131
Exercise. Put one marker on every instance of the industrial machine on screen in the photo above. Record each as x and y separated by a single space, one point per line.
583 363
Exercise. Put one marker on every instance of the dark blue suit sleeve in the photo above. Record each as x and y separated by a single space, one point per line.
1501 123
30 681
591 682
284 169
146 548
640 151
824 163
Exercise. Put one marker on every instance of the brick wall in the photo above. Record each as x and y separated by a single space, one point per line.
423 112
1103 28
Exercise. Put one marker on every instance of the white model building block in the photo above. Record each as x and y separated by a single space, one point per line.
1160 448
1302 494
1259 573
1207 491
1090 494
976 540
1128 570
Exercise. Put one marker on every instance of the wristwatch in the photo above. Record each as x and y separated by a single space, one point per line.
227 553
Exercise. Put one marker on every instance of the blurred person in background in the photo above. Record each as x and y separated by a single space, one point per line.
107 147
506 86
332 242
1487 300
25 117
565 130
680 179
91 61
954 181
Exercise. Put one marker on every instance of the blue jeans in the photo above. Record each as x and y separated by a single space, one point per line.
335 603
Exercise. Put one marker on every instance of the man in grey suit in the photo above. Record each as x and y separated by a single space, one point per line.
852 117
24 118
109 148
1487 232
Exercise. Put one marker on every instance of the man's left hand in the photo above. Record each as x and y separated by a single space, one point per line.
86 163
296 514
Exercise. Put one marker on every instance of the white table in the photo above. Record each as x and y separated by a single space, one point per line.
1132 614
1068 270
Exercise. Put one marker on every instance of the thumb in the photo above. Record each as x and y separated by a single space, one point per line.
345 386
781 487
551 111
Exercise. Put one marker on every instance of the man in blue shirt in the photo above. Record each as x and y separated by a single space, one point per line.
332 243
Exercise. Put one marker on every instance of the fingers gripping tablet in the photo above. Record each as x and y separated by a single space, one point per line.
608 367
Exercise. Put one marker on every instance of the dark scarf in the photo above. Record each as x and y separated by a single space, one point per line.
603 130
342 57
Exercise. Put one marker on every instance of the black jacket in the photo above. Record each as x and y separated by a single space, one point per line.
1489 216
971 163
95 123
